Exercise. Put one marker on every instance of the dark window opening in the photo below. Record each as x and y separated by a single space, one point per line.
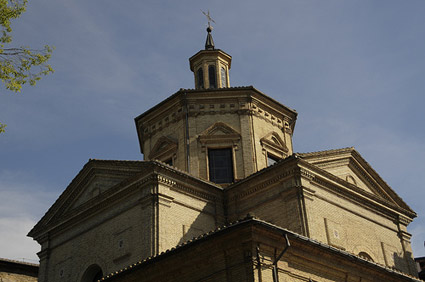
92 274
211 76
98 276
271 160
169 161
220 165
200 79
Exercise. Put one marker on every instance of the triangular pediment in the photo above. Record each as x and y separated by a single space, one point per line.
88 188
219 129
96 185
273 141
219 132
163 147
348 165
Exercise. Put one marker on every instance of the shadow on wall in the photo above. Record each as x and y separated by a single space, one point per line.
204 223
401 263
420 262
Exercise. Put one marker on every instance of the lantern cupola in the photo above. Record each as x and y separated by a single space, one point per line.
211 66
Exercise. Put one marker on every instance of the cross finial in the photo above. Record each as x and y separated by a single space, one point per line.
208 18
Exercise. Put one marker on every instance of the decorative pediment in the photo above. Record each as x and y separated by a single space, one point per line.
273 143
164 147
87 189
90 190
219 129
348 165
219 133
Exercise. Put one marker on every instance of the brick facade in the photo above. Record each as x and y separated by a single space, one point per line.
115 213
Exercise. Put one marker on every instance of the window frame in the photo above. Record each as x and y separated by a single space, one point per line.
212 76
200 78
223 77
272 157
230 167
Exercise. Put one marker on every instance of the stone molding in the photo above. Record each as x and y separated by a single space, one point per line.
332 163
363 170
269 182
266 116
44 254
274 144
228 136
330 181
164 147
369 180
405 236
236 100
193 192
87 173
404 220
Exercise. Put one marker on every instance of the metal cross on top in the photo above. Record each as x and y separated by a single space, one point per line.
208 17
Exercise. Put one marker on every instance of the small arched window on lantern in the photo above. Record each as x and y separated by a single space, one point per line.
212 77
223 77
200 78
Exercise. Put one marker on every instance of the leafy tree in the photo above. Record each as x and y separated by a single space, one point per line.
19 65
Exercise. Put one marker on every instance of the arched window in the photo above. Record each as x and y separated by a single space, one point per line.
211 77
223 77
200 79
365 256
92 274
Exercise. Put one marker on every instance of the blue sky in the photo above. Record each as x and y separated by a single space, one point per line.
353 70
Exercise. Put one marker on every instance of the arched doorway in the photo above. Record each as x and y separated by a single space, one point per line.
92 274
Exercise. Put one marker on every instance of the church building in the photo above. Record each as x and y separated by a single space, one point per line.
221 196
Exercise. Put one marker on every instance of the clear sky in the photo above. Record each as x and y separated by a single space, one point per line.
353 70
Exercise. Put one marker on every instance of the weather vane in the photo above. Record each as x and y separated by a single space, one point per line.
208 17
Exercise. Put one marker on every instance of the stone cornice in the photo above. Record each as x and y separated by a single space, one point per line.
404 220
269 118
319 176
94 206
375 186
119 192
287 194
108 193
184 177
393 195
362 167
268 232
193 192
213 101
186 188
241 92
404 236
43 254
333 163
149 171
262 180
